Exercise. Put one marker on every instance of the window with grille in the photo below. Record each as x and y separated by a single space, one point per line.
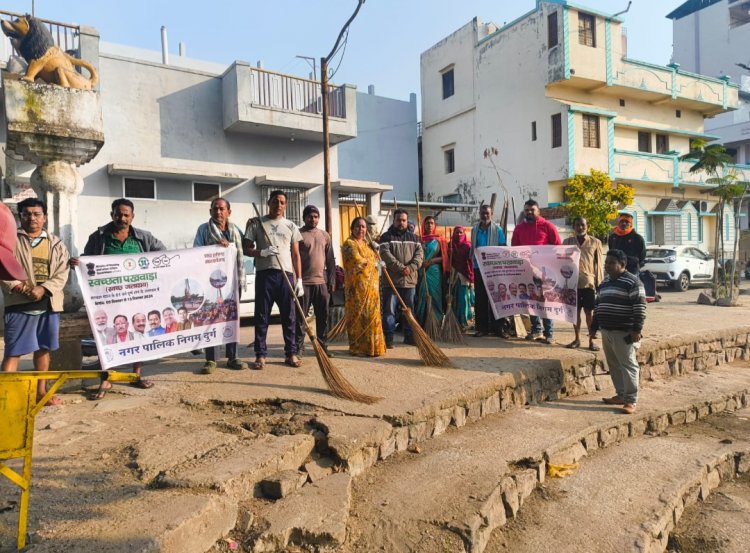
591 131
206 191
557 130
296 199
586 29
662 143
448 84
139 188
644 141
552 30
449 157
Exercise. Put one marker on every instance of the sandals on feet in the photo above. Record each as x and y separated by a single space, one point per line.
54 401
142 384
594 347
260 363
574 344
293 361
104 387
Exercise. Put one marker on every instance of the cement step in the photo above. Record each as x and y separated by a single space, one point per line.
466 483
628 497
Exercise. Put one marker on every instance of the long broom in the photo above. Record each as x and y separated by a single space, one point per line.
339 386
430 353
450 327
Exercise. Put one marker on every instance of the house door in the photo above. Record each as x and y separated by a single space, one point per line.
347 213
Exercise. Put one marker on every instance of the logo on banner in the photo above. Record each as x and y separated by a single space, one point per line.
91 269
163 261
143 263
129 264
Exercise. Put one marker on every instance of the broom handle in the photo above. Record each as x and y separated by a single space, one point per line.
385 221
424 271
385 269
301 311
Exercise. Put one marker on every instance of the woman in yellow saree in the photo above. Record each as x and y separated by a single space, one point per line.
362 289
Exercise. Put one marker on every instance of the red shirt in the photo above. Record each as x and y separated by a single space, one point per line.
539 233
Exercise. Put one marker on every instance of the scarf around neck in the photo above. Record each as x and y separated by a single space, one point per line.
234 238
461 255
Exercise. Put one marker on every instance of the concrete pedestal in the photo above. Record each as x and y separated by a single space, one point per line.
73 327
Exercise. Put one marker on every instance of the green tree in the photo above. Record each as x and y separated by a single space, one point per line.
713 159
597 199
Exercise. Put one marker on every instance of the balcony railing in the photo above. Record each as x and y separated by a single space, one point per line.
65 35
660 168
279 91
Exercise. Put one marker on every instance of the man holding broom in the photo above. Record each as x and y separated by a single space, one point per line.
402 253
272 259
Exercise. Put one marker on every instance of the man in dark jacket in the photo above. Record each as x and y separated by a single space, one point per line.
120 237
402 254
624 237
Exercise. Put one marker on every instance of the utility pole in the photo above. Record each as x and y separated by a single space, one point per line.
326 137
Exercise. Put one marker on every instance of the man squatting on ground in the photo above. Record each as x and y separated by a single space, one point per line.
535 230
270 285
402 253
485 233
33 304
120 237
318 276
590 274
620 313
220 230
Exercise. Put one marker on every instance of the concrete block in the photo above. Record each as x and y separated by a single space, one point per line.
387 446
458 418
691 415
591 441
402 438
743 462
442 421
692 496
638 428
718 406
474 411
237 468
566 455
491 404
541 471
319 512
510 496
362 460
658 424
525 484
678 417
418 433
713 479
317 469
283 483
608 436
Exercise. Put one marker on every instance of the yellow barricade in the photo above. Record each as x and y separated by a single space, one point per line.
18 408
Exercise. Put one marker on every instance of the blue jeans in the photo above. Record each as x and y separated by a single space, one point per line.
269 288
536 326
389 311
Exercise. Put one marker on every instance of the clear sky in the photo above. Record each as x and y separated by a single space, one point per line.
384 44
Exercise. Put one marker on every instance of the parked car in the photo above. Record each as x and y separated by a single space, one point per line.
247 301
679 266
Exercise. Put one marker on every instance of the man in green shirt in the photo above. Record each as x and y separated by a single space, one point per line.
121 237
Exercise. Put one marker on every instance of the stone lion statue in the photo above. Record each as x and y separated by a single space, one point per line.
48 62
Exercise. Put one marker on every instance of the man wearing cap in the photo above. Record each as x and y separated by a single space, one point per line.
318 275
33 301
624 237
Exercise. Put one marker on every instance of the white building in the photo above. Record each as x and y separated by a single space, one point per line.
713 37
180 131
556 94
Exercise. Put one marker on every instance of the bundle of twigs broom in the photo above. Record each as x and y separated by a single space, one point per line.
450 327
339 386
431 324
429 352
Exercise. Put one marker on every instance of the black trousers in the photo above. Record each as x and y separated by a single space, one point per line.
484 319
316 295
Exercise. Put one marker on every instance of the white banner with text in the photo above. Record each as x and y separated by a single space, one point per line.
149 305
531 280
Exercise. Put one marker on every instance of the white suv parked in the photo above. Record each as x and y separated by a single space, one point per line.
679 266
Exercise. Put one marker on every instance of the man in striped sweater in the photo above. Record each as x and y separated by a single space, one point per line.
620 313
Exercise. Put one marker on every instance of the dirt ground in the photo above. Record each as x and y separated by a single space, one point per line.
90 457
